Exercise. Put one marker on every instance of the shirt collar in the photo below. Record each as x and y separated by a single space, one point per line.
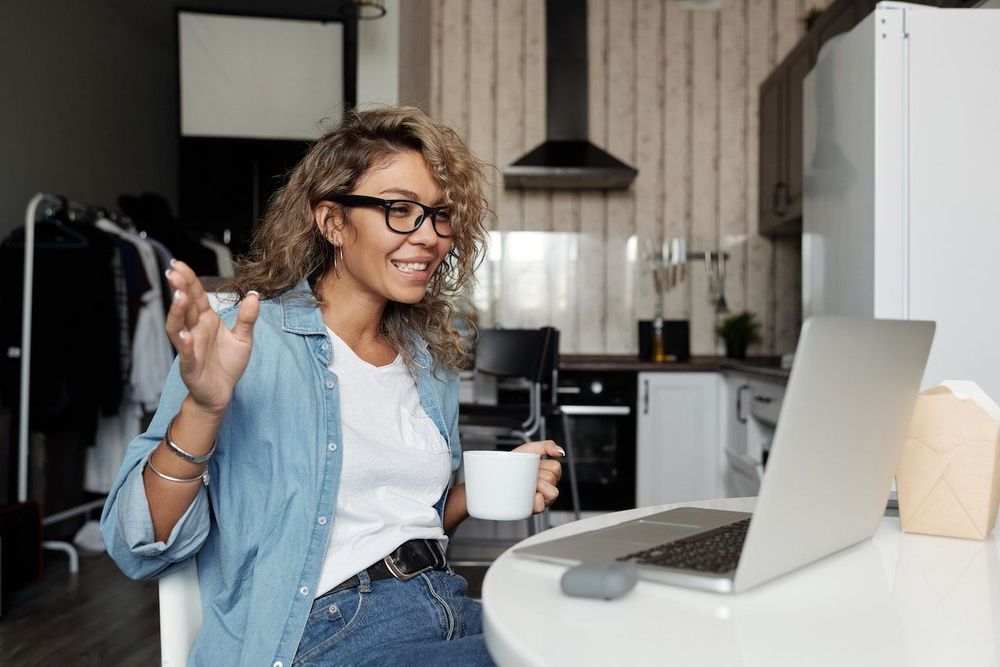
301 315
299 312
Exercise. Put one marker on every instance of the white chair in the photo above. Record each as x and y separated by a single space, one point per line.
180 615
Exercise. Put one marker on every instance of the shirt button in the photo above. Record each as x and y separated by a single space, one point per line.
278 663
304 590
322 521
332 446
333 609
329 384
326 346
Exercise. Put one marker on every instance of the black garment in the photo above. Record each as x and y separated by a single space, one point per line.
76 363
75 351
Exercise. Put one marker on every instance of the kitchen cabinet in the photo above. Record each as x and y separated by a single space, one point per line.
679 439
840 17
780 168
749 413
739 475
780 158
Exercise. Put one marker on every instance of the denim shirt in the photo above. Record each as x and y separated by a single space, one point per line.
260 529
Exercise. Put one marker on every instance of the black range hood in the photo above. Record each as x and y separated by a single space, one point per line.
567 160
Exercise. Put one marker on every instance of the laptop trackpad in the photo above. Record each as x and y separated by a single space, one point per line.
644 533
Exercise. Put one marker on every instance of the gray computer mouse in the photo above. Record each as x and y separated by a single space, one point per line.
603 581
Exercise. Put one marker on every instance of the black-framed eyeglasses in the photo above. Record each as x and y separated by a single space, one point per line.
402 216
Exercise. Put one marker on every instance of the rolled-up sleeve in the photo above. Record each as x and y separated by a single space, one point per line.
126 524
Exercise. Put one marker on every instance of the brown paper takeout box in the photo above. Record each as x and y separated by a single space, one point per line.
948 480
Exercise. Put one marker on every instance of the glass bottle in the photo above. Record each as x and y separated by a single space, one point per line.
658 349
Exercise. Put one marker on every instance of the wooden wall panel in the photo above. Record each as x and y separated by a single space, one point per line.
758 62
649 101
482 86
454 93
592 307
415 53
510 91
672 92
731 201
703 223
676 130
536 204
620 104
534 73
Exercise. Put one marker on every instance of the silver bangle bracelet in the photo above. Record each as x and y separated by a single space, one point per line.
203 477
176 450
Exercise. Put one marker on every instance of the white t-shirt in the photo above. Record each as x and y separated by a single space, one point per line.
396 465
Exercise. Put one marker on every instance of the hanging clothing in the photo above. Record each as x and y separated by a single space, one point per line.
151 351
223 257
76 365
150 354
76 353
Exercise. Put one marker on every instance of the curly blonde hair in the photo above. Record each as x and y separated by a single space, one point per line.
288 247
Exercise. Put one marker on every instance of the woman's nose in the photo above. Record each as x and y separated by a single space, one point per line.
424 234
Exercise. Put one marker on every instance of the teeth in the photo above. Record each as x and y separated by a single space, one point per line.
413 266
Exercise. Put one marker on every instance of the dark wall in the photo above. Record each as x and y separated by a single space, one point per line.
89 102
88 95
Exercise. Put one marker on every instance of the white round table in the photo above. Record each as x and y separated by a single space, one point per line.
898 599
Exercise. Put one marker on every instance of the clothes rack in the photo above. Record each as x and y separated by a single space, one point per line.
143 354
52 204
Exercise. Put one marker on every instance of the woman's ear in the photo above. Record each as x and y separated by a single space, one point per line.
327 217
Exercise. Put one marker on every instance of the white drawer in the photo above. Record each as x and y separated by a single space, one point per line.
765 401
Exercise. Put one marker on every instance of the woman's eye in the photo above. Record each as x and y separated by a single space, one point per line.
443 216
401 210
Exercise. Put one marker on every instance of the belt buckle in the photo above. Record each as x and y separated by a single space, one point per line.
404 576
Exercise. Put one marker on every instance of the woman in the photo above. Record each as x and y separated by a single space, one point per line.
304 442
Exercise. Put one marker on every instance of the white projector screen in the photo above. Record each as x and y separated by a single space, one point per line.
259 77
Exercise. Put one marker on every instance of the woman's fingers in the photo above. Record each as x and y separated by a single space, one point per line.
550 471
543 447
176 316
545 496
183 278
246 316
199 298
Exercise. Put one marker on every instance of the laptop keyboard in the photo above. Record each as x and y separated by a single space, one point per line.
717 550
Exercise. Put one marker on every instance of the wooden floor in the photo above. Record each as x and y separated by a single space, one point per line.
95 617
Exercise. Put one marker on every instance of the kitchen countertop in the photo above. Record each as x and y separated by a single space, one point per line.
763 367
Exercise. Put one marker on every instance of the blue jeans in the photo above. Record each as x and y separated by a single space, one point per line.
427 620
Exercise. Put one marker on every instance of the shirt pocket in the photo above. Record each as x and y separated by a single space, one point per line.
420 433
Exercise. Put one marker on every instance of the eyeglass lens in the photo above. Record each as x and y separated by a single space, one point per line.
406 216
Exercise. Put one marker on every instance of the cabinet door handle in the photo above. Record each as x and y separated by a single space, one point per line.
779 198
645 397
740 417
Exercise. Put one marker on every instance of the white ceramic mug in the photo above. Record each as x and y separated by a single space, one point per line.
500 485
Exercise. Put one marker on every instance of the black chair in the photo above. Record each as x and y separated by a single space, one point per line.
512 359
527 359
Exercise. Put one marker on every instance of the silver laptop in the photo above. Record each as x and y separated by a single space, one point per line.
839 436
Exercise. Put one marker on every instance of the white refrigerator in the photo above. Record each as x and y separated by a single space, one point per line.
901 211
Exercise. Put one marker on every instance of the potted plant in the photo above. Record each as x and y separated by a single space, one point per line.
738 331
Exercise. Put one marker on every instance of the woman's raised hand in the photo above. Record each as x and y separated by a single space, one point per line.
212 357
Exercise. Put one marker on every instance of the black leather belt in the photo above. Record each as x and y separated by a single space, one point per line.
407 561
